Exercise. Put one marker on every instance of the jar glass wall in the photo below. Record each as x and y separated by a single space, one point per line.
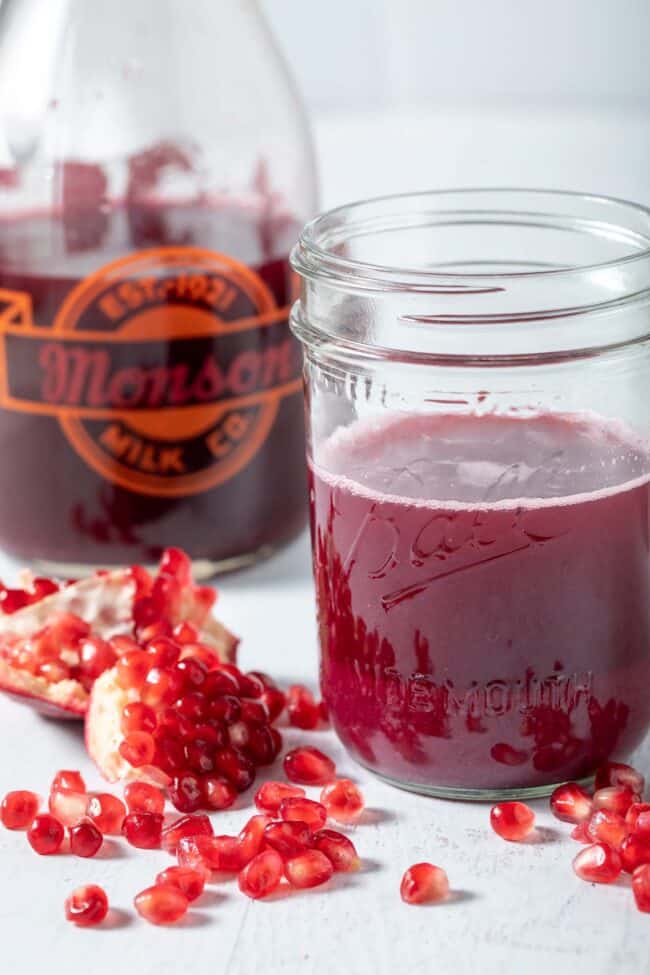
477 369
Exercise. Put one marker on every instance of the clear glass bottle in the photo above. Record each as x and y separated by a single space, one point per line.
477 374
155 170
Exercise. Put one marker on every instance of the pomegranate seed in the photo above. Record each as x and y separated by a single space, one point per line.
264 744
618 774
302 709
324 712
174 562
251 685
85 839
107 812
581 834
219 684
251 837
217 793
641 887
571 804
343 801
161 687
262 875
138 749
289 839
238 769
69 807
185 633
193 706
338 849
191 856
193 672
253 712
161 904
186 826
45 834
309 766
615 798
86 906
95 656
170 755
304 811
269 795
66 779
54 671
513 821
424 884
141 797
635 851
309 869
132 669
633 813
642 825
598 864
222 853
274 701
189 882
163 652
143 830
18 809
199 756
608 827
138 717
185 792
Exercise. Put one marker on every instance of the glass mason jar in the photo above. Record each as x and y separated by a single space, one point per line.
477 370
155 171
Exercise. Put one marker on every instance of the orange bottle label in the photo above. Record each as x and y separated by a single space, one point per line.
164 369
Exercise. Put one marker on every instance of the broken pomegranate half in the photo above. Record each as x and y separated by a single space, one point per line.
56 639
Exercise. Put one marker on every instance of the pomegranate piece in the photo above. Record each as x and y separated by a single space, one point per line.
141 797
262 875
18 809
424 883
633 813
306 811
143 830
635 852
217 793
608 827
289 839
618 774
161 904
598 864
338 849
512 821
67 779
302 709
309 869
251 837
69 807
615 798
189 882
343 801
85 839
107 812
269 796
309 766
45 834
186 826
86 906
641 887
571 804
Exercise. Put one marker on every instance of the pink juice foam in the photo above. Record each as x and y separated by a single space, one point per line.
483 589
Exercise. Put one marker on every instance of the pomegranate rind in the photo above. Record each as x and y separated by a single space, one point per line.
66 700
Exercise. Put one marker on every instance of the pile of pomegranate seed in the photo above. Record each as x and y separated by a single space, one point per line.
199 725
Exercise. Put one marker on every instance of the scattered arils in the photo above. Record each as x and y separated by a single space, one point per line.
107 812
18 809
641 887
424 883
338 849
85 839
189 882
86 906
45 835
270 795
571 804
598 864
343 801
262 875
512 821
314 814
161 904
309 869
618 774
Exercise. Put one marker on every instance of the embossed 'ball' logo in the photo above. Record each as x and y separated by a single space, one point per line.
166 369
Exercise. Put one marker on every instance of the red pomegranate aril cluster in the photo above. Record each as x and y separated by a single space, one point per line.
613 825
202 723
512 821
86 906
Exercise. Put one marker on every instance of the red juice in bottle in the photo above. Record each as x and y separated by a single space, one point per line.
483 587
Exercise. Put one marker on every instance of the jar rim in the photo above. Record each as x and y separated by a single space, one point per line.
311 258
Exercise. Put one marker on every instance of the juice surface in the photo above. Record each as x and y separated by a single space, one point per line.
483 593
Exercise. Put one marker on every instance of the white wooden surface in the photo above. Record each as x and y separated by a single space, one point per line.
515 908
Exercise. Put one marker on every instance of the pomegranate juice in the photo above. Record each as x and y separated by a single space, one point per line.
483 591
